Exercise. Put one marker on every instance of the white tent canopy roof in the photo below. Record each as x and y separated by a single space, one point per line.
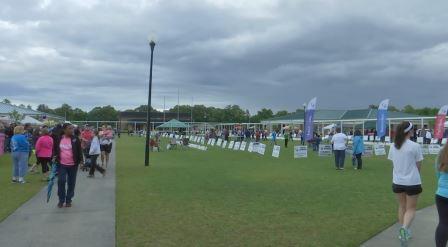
31 121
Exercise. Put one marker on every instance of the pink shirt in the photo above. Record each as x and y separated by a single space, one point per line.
66 155
44 146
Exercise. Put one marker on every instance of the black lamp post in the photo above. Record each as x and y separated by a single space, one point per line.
152 44
304 122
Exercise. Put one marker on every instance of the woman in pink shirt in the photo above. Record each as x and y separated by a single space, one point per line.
44 151
68 154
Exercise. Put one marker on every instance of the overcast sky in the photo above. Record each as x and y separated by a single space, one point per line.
255 53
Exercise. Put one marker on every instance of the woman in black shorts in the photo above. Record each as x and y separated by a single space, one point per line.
407 158
106 136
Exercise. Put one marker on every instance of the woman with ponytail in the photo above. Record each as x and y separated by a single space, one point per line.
442 197
407 158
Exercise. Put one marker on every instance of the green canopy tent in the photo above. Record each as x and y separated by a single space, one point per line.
173 124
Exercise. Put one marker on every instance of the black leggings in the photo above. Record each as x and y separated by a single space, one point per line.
442 228
44 162
359 160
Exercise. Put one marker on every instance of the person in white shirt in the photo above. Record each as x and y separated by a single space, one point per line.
407 158
428 137
339 141
94 152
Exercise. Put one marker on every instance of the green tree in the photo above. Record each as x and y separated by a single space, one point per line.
281 113
6 101
16 117
262 114
44 108
105 113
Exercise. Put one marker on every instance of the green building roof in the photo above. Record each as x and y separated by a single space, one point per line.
334 115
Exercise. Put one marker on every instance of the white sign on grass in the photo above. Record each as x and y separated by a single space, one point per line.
425 149
236 147
419 139
261 148
209 142
387 139
349 149
379 149
300 152
219 142
224 144
243 146
444 141
365 138
250 149
213 142
276 151
231 144
368 150
434 149
325 150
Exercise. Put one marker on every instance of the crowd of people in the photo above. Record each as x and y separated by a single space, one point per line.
66 146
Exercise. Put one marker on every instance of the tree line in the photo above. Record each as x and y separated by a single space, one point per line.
201 113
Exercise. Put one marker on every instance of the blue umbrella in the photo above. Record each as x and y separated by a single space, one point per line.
54 169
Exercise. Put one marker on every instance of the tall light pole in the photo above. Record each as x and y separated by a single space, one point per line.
152 44
304 122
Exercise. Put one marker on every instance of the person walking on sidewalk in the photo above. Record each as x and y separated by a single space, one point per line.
68 154
44 151
20 148
407 158
339 142
94 152
442 197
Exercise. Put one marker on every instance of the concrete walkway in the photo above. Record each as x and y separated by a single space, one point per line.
90 221
423 229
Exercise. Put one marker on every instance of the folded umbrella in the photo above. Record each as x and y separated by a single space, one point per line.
54 169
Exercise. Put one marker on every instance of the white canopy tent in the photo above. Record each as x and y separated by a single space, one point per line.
31 120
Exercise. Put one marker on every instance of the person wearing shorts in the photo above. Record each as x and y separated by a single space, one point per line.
106 136
407 158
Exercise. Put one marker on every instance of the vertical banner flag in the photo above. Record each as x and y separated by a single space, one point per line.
440 122
309 119
381 118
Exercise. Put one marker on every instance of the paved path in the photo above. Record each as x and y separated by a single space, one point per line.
90 222
423 229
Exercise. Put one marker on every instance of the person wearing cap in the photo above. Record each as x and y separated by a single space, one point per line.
407 158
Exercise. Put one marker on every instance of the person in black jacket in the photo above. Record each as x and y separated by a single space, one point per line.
68 154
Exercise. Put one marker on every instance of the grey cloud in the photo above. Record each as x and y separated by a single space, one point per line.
274 54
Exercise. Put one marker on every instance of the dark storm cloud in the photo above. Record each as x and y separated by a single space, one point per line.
275 54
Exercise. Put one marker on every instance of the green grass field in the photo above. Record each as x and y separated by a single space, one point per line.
233 198
14 195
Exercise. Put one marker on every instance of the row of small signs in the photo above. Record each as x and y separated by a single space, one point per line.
378 149
252 147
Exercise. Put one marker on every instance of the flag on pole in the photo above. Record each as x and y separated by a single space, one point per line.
309 119
381 118
440 122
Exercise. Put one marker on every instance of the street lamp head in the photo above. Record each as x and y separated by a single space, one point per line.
152 44
304 105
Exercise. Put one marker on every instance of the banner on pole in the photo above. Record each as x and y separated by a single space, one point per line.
381 118
300 152
309 119
439 127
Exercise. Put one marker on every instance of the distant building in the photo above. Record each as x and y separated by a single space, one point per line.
29 114
129 120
